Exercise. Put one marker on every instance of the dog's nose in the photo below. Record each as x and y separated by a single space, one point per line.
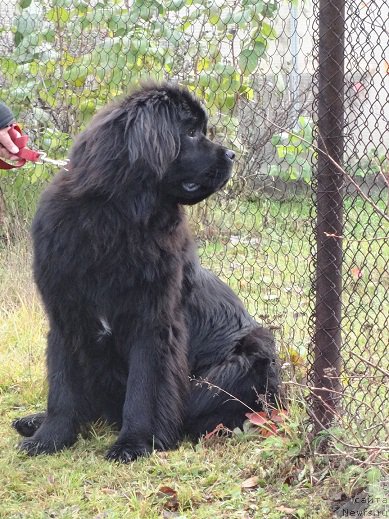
230 154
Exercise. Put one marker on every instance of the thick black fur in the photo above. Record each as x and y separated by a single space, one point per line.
132 314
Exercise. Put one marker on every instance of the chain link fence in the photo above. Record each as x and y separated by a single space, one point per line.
254 64
365 318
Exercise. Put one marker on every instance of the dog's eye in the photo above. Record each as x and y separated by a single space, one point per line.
191 132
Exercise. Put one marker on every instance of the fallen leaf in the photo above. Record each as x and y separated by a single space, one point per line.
278 416
250 482
259 418
220 428
358 87
295 358
356 273
108 490
270 429
285 509
167 491
215 431
170 495
268 424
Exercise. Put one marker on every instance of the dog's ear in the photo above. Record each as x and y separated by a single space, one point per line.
98 158
152 134
126 148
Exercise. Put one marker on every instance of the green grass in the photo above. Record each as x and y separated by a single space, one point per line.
263 250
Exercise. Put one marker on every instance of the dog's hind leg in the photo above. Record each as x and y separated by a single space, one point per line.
226 391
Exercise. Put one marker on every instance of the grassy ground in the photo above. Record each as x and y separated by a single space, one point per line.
263 251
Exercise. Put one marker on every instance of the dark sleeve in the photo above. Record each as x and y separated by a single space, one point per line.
6 116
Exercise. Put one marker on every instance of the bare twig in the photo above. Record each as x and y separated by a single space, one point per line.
342 393
353 446
333 161
372 364
373 450
382 174
369 461
333 235
213 386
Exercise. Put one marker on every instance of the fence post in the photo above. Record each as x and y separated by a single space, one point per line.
330 103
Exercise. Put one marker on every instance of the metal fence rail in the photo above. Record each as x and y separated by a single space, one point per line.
281 81
329 203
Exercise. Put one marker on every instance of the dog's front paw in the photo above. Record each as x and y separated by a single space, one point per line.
28 425
34 447
47 441
125 452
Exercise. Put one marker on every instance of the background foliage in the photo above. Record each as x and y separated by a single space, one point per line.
81 54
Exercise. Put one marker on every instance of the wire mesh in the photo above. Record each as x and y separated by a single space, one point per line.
354 366
365 321
252 62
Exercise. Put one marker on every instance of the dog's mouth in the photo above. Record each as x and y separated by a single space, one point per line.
190 187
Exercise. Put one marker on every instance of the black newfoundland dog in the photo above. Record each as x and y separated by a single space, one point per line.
135 323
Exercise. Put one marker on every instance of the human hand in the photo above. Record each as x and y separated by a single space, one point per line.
8 149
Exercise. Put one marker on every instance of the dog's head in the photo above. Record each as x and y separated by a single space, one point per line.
200 167
153 140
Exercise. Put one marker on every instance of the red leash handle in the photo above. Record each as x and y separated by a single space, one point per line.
24 153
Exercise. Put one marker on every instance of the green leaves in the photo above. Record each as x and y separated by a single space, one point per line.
76 74
75 54
23 4
176 5
59 15
25 25
249 58
295 149
66 4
